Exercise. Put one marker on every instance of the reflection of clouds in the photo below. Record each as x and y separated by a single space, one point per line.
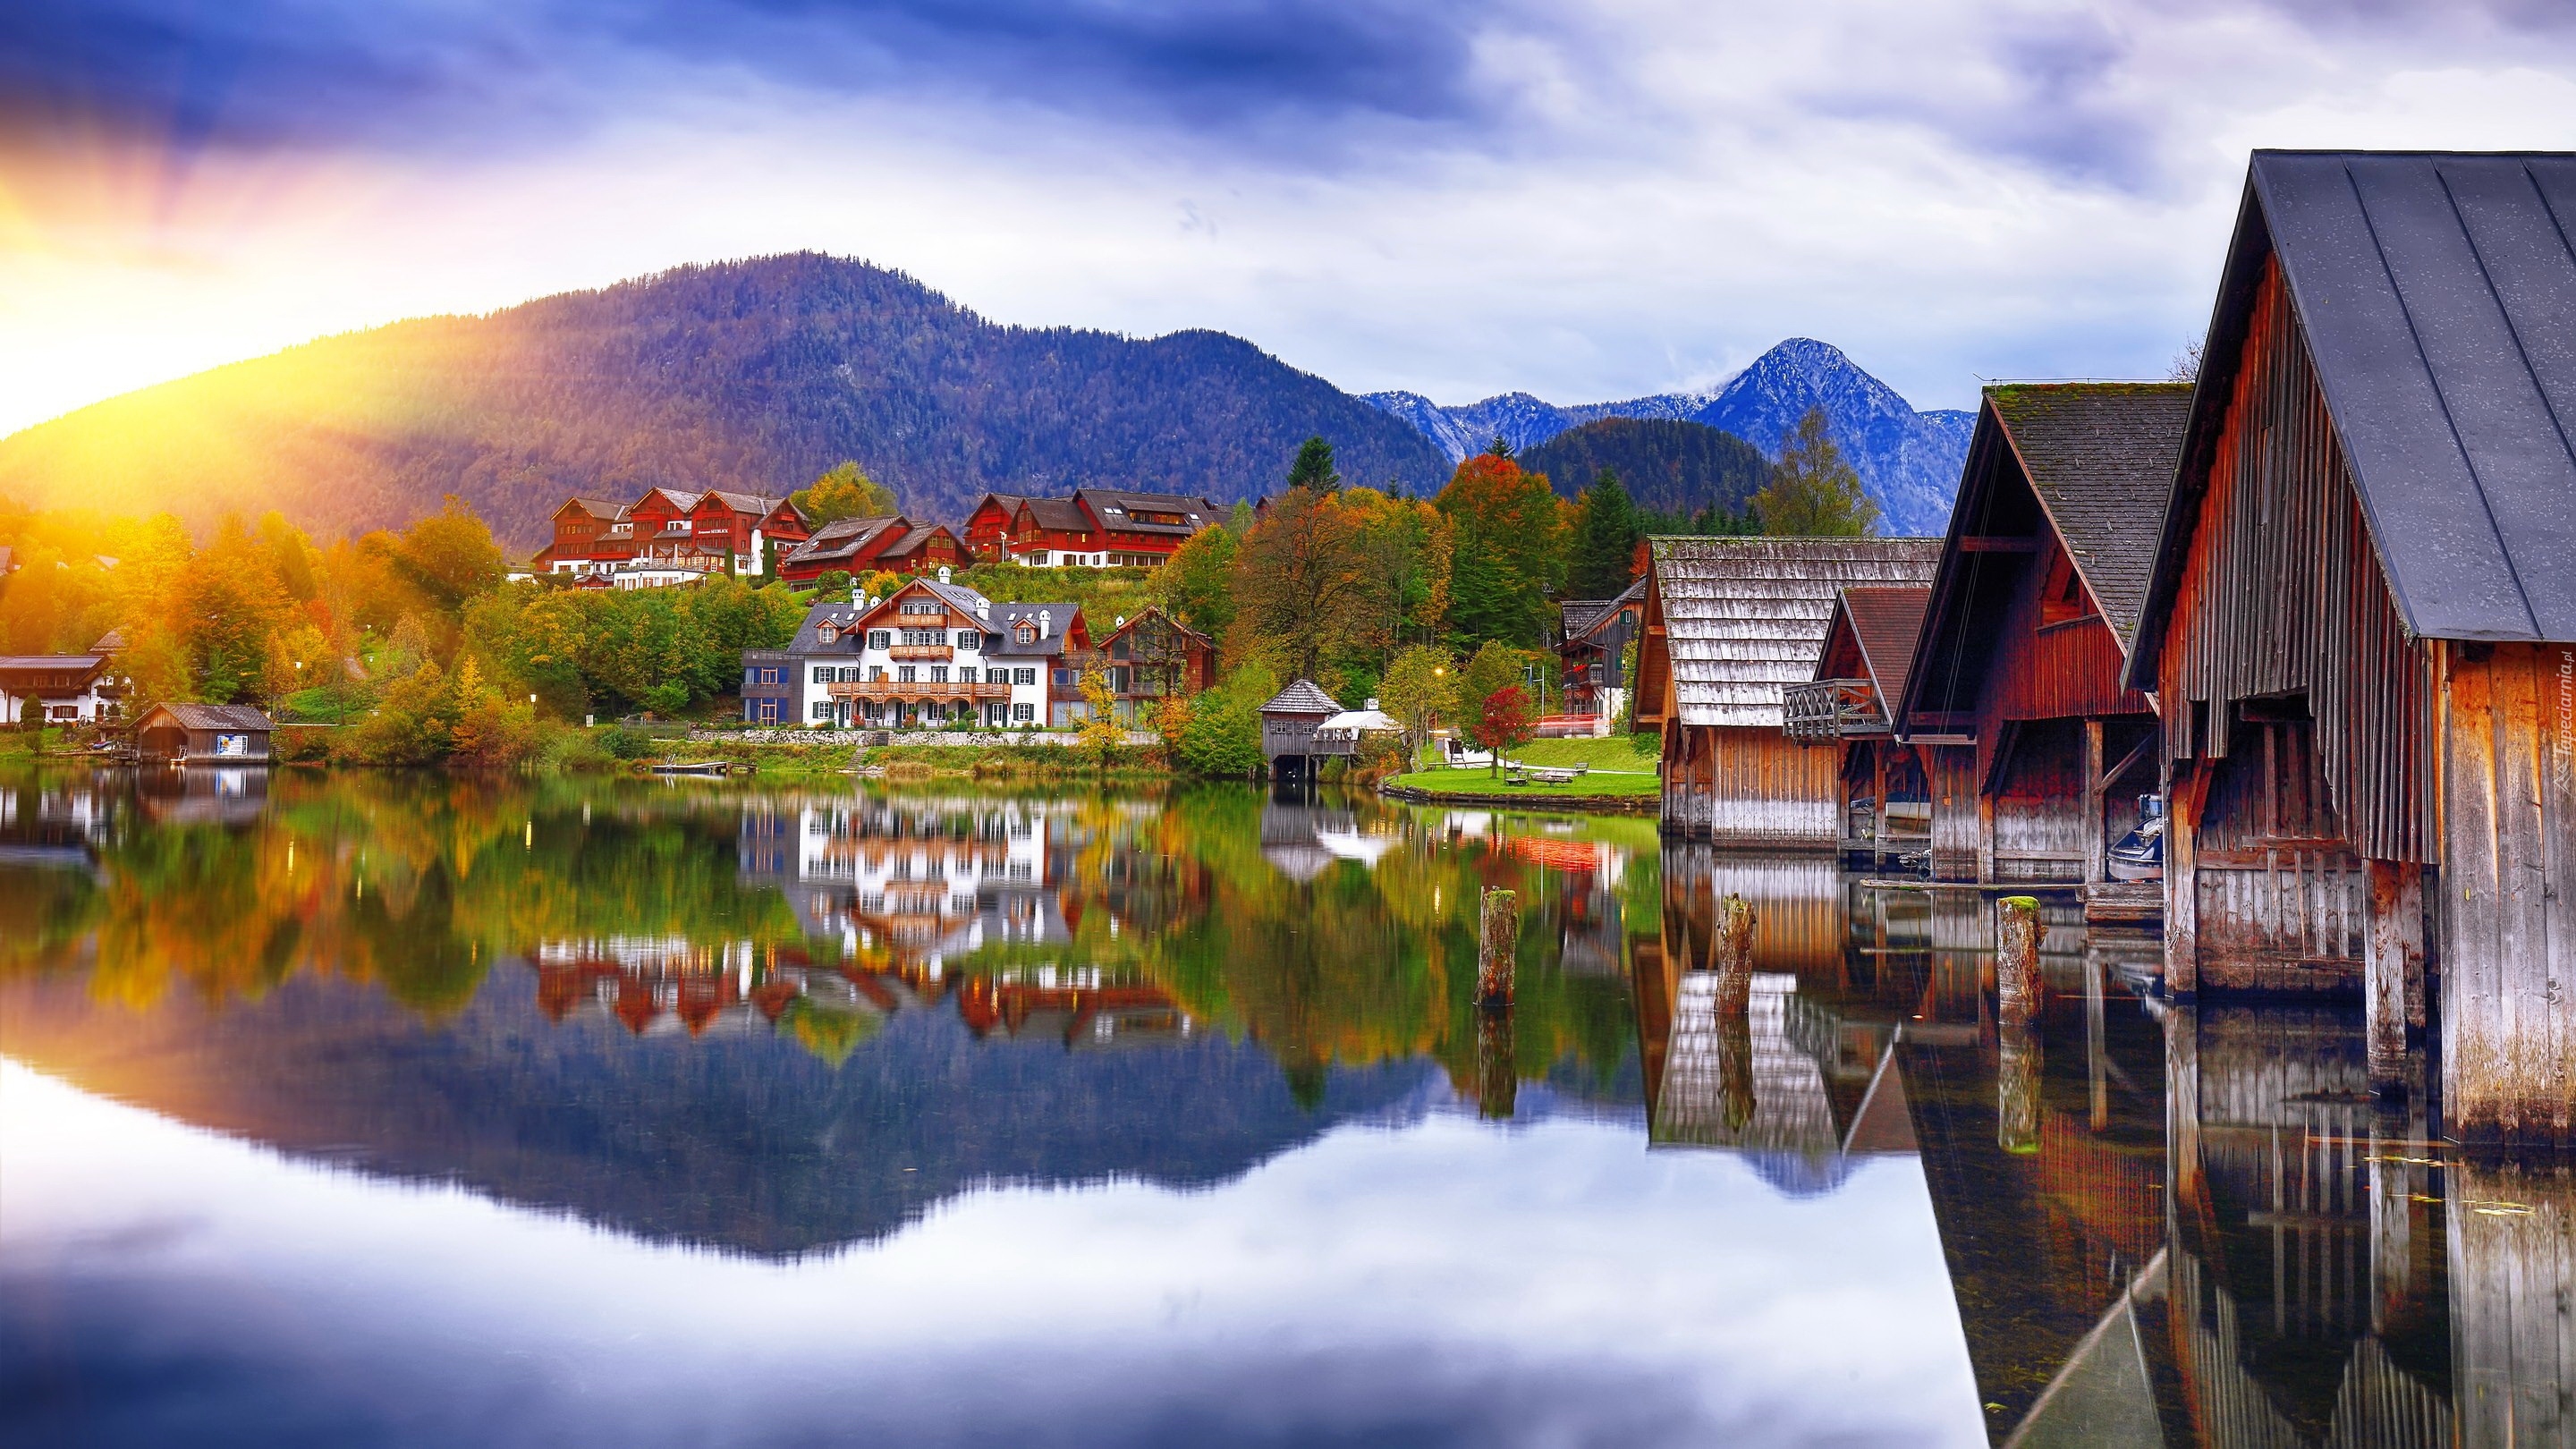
1429 1284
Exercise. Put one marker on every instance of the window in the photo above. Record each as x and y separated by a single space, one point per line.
1024 713
997 676
924 638
770 676
1064 676
822 709
1024 676
1026 633
906 674
939 674
828 634
970 638
880 638
922 606
997 714
769 711
850 674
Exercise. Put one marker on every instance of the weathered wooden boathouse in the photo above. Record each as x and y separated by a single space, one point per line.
2036 748
1730 624
1885 792
2360 620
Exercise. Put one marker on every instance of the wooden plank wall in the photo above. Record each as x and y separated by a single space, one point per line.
1955 828
2282 899
2509 892
2039 804
2513 1342
2281 592
1752 786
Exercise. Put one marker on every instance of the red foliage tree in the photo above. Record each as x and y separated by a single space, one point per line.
1505 719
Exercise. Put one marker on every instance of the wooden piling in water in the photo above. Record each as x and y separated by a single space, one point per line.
1734 953
1498 1076
1498 935
2018 988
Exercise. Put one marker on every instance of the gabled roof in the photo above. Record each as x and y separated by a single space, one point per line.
841 538
55 662
1585 616
677 499
1884 619
213 717
1744 618
2436 293
1116 507
1154 611
1062 621
2100 455
1302 697
599 508
1057 515
756 504
1009 503
915 539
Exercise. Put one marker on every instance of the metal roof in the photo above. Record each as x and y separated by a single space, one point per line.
214 716
2436 292
1745 617
1302 697
2100 455
1885 619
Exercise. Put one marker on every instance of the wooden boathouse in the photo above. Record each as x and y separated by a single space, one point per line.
1290 743
2036 748
1729 625
1885 792
2361 618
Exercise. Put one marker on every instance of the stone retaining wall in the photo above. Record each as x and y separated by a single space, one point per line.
977 739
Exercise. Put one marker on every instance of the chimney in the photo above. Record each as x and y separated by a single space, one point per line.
1371 706
1046 622
943 573
984 610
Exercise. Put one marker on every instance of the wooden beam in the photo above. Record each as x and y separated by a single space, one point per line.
1997 543
2096 849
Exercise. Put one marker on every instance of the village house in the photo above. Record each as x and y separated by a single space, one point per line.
1154 657
1592 639
669 536
890 542
1851 702
2361 625
1728 625
930 653
204 734
56 688
986 534
1096 527
2036 750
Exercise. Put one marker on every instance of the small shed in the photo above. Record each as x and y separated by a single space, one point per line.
1851 704
1290 725
1729 625
204 734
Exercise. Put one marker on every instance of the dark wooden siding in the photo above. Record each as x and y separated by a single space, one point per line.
2281 593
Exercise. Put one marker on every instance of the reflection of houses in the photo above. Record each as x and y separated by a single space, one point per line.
54 825
915 882
1077 1006
1302 841
1729 625
206 795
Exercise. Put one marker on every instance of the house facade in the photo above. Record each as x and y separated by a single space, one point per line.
56 689
1592 640
1096 528
928 654
1851 704
1154 657
670 536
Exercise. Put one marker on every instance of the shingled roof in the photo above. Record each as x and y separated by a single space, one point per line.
2101 457
1744 618
1885 620
2436 293
1302 697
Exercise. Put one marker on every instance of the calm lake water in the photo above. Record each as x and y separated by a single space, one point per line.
394 1110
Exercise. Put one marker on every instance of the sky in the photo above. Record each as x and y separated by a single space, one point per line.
1583 199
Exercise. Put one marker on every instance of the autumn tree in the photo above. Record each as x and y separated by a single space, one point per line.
1302 588
1419 689
1604 545
1814 491
845 491
1404 547
1314 467
1504 719
1196 584
1505 549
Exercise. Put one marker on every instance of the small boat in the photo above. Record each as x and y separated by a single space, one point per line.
2140 854
693 767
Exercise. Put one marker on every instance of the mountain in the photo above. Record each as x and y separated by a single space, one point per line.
1671 465
1908 460
753 375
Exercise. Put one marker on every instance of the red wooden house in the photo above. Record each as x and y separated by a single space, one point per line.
2362 621
922 550
588 531
2037 750
1153 657
743 525
987 531
1852 703
846 545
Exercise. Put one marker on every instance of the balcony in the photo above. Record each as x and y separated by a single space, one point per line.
889 689
1832 709
936 653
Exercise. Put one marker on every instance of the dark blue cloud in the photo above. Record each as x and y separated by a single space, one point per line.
415 75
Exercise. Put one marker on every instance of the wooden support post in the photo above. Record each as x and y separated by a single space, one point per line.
1878 828
2182 885
1734 957
2097 850
2018 988
1498 1075
2392 953
2017 1072
2097 1047
1985 835
1498 939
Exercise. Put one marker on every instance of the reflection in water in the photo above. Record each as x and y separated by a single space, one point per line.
1082 1063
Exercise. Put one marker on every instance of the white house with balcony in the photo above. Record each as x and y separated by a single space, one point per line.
928 654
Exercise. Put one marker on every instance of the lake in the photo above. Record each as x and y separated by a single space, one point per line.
385 1109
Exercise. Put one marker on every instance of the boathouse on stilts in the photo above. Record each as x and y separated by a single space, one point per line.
2037 750
1884 791
2361 627
1730 624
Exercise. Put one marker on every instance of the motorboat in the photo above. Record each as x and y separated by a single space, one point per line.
2140 854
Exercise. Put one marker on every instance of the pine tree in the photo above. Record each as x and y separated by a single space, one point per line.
1606 530
1314 467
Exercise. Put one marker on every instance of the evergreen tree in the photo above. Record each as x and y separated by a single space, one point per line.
1814 491
1505 552
1500 447
1314 467
1606 530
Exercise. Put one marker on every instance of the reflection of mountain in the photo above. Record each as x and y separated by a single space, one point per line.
740 1141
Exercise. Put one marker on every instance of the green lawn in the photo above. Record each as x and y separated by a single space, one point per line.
1481 782
1623 754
